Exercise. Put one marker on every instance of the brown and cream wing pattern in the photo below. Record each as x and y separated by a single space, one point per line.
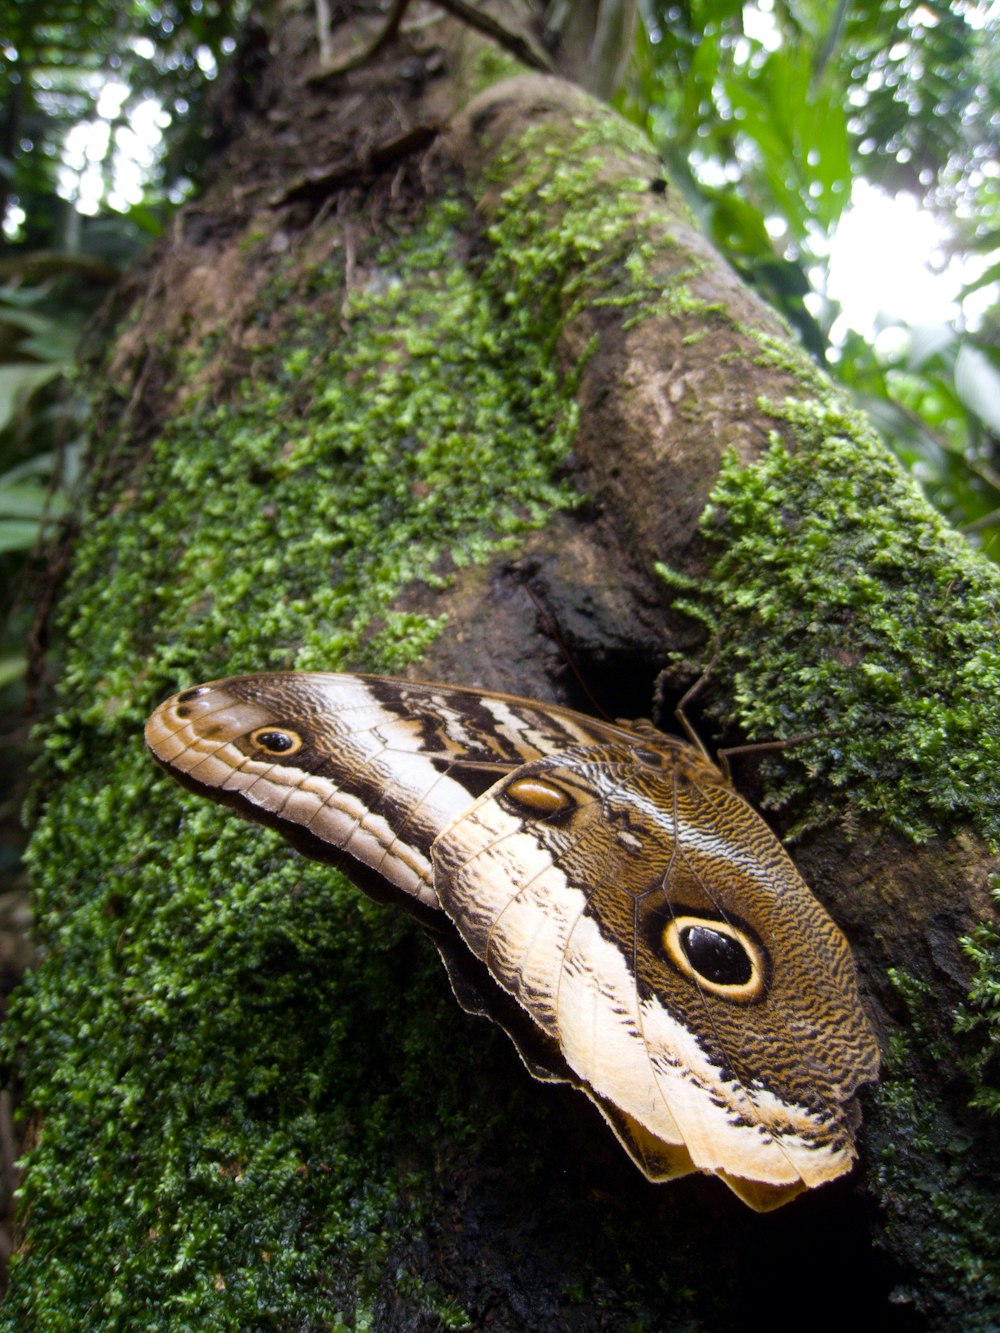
652 925
601 892
366 768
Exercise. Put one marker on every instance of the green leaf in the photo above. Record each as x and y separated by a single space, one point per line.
54 344
29 501
991 275
17 535
18 382
12 668
928 341
977 383
40 465
146 219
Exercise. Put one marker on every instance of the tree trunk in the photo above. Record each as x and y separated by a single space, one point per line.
439 375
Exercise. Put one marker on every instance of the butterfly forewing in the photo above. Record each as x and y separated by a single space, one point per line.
373 768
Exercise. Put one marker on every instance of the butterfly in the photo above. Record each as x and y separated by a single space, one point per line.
598 889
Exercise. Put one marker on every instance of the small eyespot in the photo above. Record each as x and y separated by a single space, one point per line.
651 757
188 695
723 959
276 740
539 798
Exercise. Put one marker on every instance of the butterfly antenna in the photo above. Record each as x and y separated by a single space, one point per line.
690 693
761 747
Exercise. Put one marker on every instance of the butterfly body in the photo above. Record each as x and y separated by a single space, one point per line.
599 890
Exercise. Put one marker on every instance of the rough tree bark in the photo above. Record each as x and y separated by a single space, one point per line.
439 369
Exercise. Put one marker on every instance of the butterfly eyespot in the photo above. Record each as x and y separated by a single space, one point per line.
276 740
723 959
540 798
650 757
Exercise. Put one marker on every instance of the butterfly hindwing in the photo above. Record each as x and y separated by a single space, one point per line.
577 881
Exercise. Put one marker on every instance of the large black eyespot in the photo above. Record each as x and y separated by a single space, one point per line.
716 957
276 740
721 958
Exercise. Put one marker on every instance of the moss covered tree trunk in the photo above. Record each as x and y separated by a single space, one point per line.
438 376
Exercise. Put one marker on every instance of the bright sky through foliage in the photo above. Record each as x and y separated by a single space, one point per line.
888 258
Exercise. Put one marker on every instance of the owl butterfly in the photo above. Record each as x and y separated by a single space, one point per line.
598 890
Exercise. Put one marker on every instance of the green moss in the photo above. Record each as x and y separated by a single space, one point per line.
448 1313
862 622
787 354
277 528
235 1059
564 170
492 64
941 1213
980 1015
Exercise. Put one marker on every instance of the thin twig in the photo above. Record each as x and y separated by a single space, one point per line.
514 42
388 34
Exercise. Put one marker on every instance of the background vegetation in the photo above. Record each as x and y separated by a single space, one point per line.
102 135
